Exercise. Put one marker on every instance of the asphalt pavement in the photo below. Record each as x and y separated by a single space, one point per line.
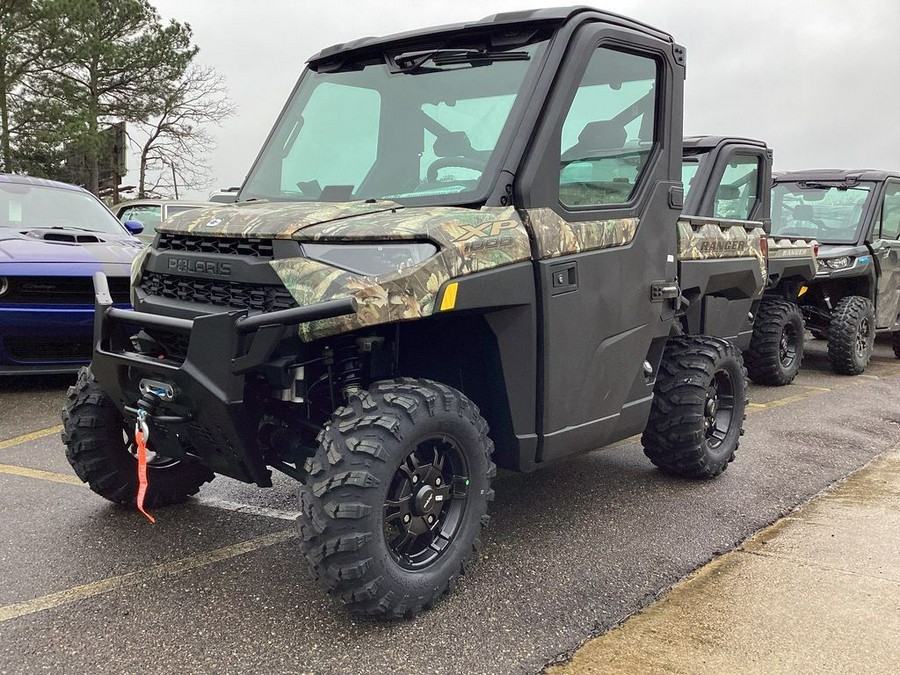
218 584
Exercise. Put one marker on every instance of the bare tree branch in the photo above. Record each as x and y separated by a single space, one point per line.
176 138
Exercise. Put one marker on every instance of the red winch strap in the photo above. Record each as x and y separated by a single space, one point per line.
142 472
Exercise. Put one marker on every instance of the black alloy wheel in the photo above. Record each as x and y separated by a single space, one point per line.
719 409
426 502
787 346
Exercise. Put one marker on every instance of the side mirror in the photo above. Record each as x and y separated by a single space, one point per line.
134 226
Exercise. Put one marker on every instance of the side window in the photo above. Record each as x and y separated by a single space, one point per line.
148 216
608 133
890 212
738 190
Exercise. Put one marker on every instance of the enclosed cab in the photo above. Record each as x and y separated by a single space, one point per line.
855 217
457 247
726 181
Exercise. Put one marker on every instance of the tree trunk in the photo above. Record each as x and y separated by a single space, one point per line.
93 125
5 146
142 178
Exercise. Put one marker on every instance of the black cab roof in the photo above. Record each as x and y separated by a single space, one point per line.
553 15
836 175
709 142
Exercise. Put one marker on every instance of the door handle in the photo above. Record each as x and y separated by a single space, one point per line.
563 278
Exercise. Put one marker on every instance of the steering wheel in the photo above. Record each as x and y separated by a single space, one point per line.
460 161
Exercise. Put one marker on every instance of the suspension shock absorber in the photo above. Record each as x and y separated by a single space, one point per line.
350 363
349 367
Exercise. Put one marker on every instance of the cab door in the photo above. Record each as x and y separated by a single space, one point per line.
886 249
601 194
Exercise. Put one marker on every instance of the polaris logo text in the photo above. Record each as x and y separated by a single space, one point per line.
219 269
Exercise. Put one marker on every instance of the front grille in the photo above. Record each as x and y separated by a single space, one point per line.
48 349
253 248
61 290
218 292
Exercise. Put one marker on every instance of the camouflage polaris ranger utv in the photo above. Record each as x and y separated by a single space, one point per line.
458 247
855 216
727 178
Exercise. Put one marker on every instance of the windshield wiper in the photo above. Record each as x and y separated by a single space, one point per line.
450 57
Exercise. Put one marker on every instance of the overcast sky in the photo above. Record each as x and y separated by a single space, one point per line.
818 80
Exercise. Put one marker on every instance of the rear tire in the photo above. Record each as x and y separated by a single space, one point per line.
895 343
851 335
776 347
699 405
397 494
95 432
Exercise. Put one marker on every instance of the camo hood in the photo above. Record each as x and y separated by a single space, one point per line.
467 241
268 220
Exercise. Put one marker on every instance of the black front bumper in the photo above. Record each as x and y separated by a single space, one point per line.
207 418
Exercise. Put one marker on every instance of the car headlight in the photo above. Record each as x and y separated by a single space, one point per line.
4 286
839 263
371 259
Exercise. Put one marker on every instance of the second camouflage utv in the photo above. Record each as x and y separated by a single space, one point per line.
457 247
726 179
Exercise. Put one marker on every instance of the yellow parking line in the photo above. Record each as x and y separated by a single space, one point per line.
778 402
40 474
809 386
94 588
30 437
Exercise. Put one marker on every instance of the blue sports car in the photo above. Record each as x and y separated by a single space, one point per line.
53 237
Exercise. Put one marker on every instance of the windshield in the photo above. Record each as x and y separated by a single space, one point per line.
24 206
830 213
418 126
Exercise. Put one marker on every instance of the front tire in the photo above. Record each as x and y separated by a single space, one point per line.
699 405
851 335
97 443
895 343
397 494
776 348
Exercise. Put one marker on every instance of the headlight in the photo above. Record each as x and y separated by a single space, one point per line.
371 259
4 286
839 263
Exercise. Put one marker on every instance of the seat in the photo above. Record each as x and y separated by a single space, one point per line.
595 139
804 213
